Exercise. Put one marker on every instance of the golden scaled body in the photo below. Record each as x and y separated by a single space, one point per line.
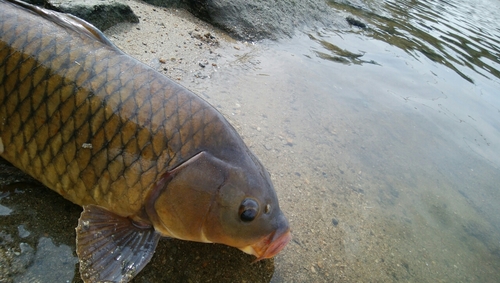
144 156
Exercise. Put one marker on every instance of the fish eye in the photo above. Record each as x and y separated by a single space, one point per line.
248 210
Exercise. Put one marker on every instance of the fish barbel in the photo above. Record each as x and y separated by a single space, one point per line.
144 156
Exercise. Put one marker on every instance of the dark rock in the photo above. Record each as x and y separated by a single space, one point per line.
257 19
353 22
102 14
335 222
243 19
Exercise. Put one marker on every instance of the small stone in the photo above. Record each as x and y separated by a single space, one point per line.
23 233
163 60
199 75
335 222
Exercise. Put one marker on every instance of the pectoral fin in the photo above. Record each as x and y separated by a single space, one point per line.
110 247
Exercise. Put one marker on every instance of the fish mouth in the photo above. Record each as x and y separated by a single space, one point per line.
270 245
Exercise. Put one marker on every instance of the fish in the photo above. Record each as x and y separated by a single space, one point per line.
145 157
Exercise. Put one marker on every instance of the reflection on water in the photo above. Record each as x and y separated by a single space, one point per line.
462 35
340 55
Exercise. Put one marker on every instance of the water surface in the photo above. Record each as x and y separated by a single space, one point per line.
384 143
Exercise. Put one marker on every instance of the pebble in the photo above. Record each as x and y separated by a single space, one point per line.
320 264
23 233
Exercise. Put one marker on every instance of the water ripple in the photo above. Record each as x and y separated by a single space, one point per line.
462 35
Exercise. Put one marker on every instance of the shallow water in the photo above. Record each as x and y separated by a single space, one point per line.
383 144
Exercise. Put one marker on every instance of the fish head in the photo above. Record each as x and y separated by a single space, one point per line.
246 214
210 200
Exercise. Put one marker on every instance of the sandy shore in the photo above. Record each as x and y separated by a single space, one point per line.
176 43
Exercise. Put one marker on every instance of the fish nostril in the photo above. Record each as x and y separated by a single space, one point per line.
267 209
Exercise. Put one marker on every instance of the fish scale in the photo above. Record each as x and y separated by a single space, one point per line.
80 122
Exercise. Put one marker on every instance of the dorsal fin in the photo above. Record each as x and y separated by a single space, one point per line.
68 21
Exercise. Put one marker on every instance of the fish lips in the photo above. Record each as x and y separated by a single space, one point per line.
270 245
276 242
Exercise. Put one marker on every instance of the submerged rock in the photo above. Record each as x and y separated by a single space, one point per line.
354 22
256 19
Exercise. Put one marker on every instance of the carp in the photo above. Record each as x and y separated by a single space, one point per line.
145 157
